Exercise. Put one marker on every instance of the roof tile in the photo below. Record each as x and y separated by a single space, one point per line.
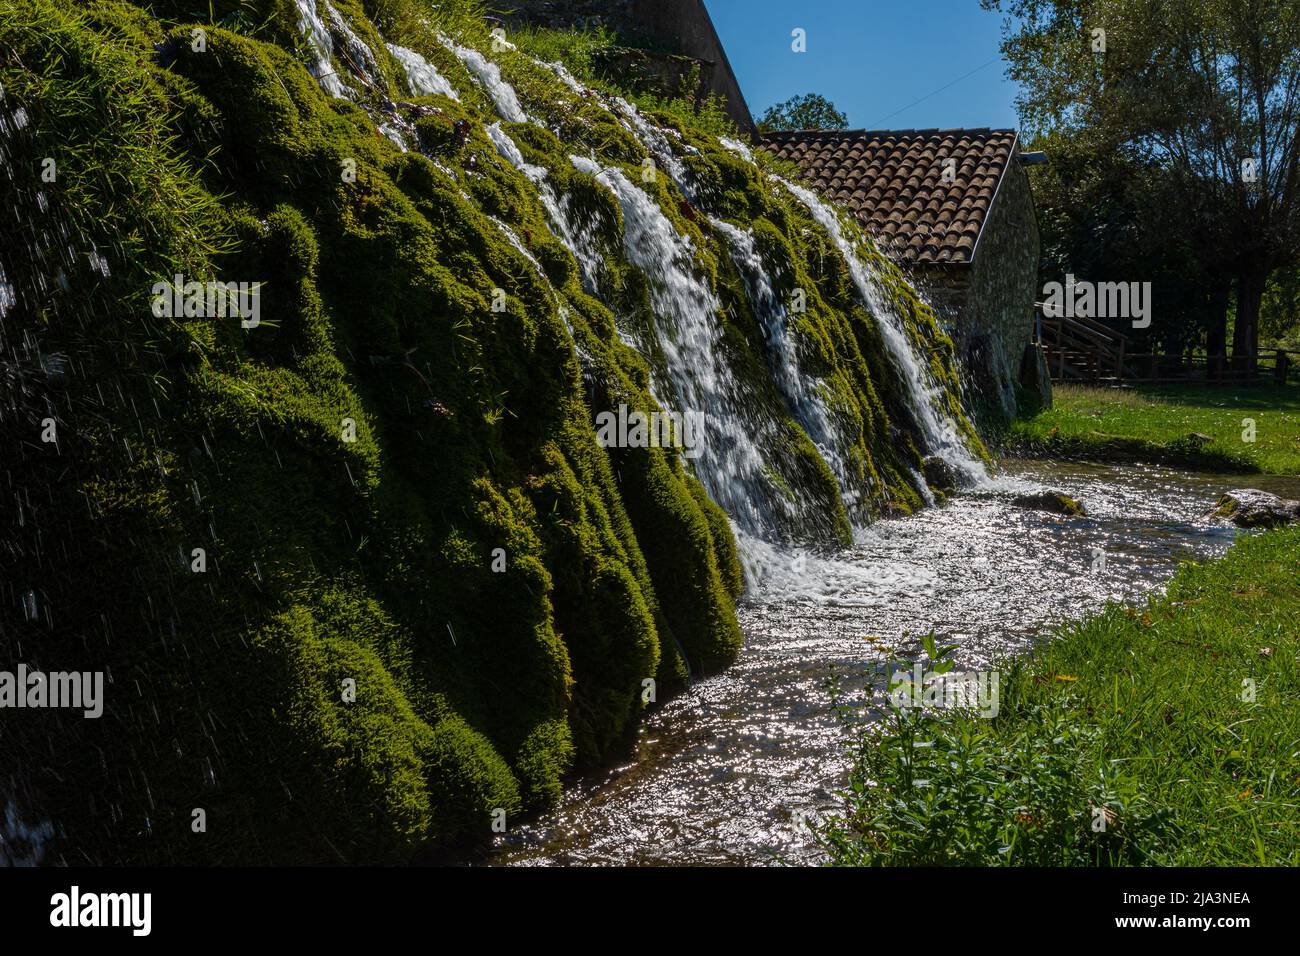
894 181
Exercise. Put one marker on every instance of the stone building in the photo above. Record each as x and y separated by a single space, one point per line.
662 43
955 210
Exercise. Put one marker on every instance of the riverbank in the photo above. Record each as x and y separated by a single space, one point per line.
1162 733
1175 425
722 774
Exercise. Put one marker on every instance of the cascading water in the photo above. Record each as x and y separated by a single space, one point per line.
737 147
687 332
577 240
494 428
421 76
940 434
684 343
355 49
656 144
740 481
318 36
802 392
509 151
489 76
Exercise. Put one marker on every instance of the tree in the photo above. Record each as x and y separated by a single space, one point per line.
810 111
1208 90
1109 216
1279 314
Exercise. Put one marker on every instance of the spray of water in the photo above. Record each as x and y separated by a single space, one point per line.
318 37
422 76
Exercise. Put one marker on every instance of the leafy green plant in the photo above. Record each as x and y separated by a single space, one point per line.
934 787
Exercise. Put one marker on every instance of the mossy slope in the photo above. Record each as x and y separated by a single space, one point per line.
350 466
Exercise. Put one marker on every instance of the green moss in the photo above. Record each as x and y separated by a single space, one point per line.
390 482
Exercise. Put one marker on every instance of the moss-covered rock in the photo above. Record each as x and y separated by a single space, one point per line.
1052 502
360 572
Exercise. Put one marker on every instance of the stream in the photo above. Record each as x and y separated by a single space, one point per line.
721 772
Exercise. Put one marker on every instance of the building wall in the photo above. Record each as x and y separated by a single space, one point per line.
988 306
681 27
1004 275
615 15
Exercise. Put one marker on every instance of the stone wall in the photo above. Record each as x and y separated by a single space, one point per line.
1004 281
988 306
664 28
617 16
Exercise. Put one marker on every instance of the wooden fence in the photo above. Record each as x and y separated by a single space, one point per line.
1085 350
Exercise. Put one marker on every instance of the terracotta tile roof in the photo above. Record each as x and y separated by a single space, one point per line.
894 181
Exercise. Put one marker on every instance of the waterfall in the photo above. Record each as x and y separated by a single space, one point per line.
656 144
683 340
802 392
687 332
510 153
577 240
318 37
421 75
360 55
489 76
939 432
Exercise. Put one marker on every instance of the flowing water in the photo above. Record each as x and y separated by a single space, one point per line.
693 375
719 773
421 76
489 75
940 434
802 392
318 37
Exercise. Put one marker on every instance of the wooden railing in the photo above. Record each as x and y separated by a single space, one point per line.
1094 349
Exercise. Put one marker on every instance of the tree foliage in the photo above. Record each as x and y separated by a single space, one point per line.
1204 95
810 111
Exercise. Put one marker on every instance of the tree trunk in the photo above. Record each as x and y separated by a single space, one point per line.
1245 335
1216 335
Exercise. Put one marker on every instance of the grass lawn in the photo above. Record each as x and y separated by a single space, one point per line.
1165 734
1154 424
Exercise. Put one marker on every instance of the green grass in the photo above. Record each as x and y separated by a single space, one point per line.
585 53
1140 716
1154 424
578 50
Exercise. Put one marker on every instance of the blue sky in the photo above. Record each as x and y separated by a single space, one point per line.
873 59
